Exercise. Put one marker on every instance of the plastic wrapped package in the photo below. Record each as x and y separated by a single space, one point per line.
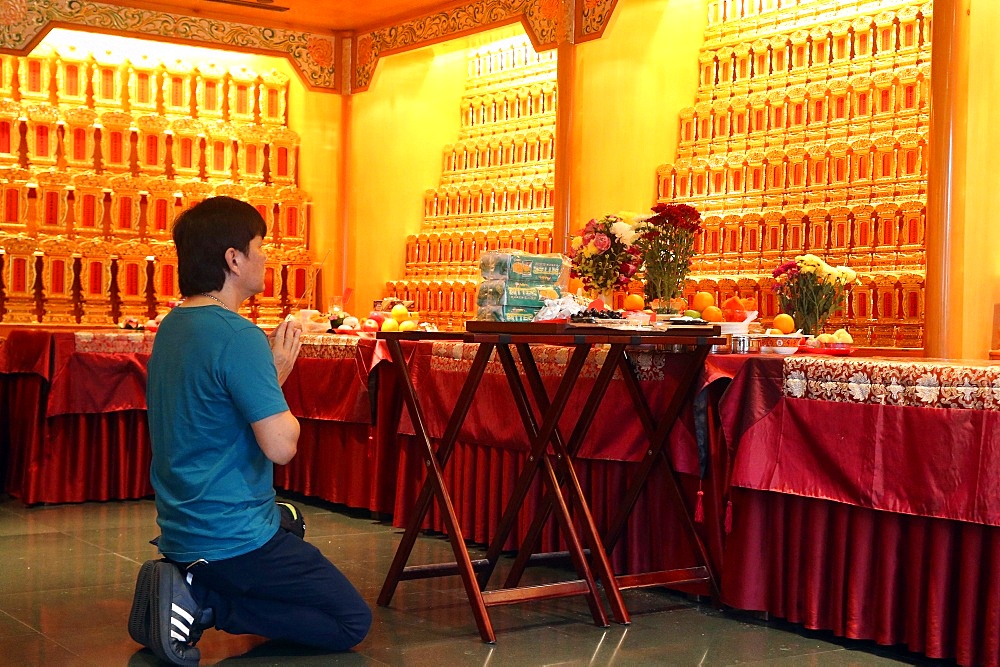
506 313
562 308
524 268
507 293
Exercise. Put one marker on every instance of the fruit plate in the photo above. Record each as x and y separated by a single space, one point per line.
829 349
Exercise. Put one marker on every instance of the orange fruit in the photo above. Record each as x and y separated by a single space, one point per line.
702 300
407 325
784 323
634 302
390 325
734 303
712 314
734 314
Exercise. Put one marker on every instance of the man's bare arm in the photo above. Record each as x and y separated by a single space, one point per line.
278 436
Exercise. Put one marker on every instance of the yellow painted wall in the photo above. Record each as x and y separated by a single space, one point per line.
398 130
317 118
981 277
630 85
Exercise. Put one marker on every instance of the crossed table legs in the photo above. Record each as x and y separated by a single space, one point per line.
564 495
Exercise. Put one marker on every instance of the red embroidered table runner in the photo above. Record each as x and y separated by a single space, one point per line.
914 437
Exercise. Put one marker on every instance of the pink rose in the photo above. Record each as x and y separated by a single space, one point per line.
602 242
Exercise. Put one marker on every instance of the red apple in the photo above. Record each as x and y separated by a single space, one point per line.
377 316
370 325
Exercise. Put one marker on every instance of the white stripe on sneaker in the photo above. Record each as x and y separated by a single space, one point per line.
177 609
176 635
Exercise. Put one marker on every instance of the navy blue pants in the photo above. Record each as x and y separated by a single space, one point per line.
284 590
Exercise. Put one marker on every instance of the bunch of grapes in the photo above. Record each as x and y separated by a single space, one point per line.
593 315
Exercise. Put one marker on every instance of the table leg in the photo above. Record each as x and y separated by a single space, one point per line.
658 433
587 414
523 483
540 438
537 458
564 456
434 486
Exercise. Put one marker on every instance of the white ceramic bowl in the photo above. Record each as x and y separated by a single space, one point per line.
734 327
784 344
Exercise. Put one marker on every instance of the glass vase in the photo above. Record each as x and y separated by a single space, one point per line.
663 307
607 296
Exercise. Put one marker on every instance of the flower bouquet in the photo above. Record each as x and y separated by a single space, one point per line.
666 243
810 290
603 256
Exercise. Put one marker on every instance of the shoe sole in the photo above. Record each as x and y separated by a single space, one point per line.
160 608
296 525
138 618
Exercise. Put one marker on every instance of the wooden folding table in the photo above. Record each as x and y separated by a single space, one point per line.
550 455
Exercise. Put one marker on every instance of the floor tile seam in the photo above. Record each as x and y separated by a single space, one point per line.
104 549
67 589
371 658
28 629
769 661
13 514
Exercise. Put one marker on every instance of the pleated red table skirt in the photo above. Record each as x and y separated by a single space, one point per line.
931 585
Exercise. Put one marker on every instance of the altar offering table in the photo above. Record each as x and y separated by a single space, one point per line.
866 497
75 414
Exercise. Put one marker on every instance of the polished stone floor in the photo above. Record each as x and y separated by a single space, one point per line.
68 571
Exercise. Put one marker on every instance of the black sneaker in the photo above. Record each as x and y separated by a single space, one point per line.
291 519
138 618
175 619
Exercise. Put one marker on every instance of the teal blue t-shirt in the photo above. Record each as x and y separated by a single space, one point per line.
211 375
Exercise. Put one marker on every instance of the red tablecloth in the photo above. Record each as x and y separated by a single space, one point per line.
439 368
865 500
77 424
916 437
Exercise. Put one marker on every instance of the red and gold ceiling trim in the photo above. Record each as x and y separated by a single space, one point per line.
23 24
593 18
540 18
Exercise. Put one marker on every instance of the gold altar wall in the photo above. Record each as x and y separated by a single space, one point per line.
629 86
622 124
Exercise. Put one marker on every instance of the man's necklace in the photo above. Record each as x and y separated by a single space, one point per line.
218 300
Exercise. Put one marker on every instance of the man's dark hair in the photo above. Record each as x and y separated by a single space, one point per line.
203 234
